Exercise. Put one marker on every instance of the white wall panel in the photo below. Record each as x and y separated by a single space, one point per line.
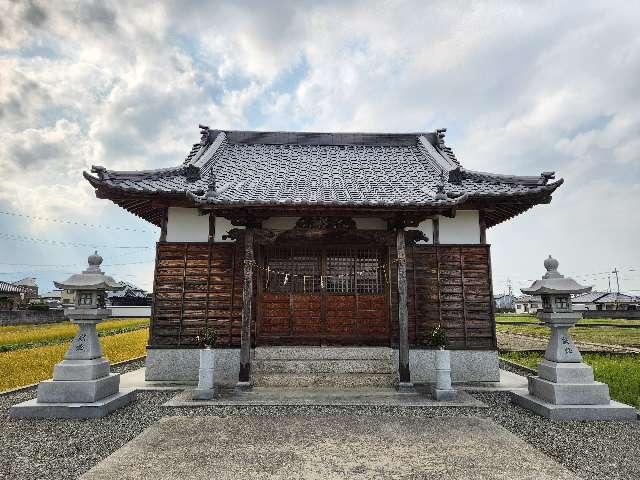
187 225
464 228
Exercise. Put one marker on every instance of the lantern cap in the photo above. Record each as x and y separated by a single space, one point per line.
554 283
90 279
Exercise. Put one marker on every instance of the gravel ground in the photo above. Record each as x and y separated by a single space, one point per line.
64 449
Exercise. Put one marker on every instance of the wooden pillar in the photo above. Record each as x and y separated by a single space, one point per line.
403 313
163 225
247 300
483 228
436 230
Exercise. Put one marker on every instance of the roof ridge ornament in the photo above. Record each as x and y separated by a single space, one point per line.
546 176
207 136
192 172
440 193
211 191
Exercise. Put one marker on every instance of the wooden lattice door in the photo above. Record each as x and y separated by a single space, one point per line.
316 296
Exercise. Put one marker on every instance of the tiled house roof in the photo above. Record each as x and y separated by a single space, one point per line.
6 287
238 168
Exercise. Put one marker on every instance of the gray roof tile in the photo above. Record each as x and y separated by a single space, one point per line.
262 168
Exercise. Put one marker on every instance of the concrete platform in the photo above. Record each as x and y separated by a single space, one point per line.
278 396
611 411
100 408
327 447
136 380
508 381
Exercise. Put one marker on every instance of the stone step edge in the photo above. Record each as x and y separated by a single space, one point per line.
330 380
320 366
323 353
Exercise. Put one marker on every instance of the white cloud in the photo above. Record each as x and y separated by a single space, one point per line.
522 87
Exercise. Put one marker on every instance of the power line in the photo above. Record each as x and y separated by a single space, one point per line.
59 243
70 264
73 222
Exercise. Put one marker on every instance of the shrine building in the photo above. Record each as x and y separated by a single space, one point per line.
339 249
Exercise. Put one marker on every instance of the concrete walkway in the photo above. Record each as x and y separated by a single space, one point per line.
345 447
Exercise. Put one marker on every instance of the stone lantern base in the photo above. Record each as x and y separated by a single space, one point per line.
567 391
99 408
82 385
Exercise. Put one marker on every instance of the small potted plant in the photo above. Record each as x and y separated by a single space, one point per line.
442 389
206 339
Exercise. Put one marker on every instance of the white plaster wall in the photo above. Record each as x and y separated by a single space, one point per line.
426 227
223 226
187 225
464 228
130 311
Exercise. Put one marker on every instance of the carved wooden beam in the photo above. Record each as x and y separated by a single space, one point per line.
412 237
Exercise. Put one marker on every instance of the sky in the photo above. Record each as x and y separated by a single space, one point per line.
521 87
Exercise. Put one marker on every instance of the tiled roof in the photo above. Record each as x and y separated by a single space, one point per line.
293 168
614 297
588 297
6 287
604 297
129 290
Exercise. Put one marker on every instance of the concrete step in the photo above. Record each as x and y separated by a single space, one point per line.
323 353
323 366
344 380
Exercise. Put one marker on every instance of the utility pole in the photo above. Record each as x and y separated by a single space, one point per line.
615 272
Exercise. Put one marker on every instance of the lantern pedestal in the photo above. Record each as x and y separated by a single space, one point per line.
82 385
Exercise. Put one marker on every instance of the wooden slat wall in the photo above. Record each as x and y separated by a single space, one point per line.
448 285
197 284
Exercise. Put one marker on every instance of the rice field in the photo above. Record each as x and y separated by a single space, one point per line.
621 371
16 337
612 335
31 351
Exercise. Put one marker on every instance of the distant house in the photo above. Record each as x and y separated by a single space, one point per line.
30 287
130 295
505 301
11 295
605 301
528 304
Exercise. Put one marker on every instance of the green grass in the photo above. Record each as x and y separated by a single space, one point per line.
522 318
605 335
29 336
31 365
620 371
609 321
516 318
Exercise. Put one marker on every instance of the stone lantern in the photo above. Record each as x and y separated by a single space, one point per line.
82 385
564 388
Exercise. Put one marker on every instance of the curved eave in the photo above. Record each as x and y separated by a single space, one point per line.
499 207
514 205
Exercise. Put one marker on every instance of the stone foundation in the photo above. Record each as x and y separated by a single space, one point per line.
466 366
181 365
